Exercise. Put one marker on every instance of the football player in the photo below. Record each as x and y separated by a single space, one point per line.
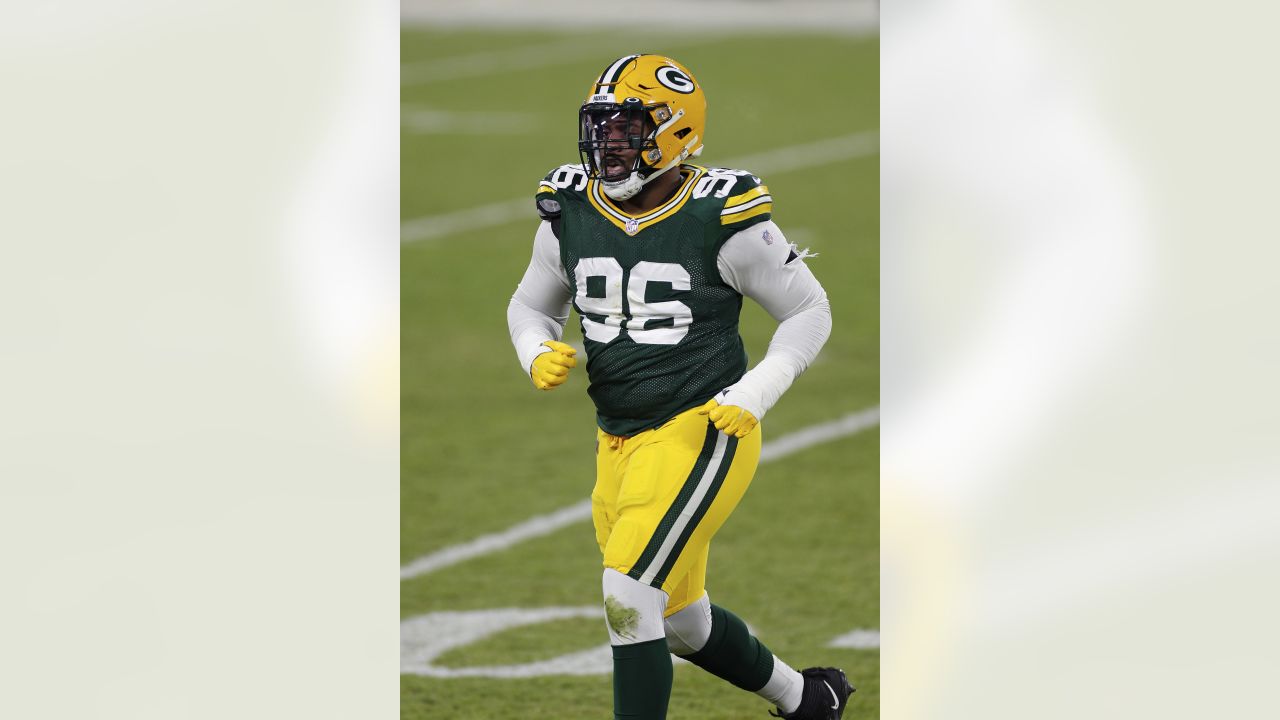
656 254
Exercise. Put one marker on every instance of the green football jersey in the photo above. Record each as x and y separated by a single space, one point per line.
659 323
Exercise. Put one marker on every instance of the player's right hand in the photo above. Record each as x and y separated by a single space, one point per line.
552 368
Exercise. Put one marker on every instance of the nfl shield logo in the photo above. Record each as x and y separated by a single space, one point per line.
633 226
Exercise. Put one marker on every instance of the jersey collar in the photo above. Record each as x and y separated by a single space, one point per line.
632 224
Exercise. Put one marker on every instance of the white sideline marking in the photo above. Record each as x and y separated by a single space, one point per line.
796 157
546 524
426 637
822 152
444 122
426 228
858 640
485 544
820 433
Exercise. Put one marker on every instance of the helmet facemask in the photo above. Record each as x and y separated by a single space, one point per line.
618 145
646 110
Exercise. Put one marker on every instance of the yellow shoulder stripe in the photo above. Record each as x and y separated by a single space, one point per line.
747 196
546 187
750 212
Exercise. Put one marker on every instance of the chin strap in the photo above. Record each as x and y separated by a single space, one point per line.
627 189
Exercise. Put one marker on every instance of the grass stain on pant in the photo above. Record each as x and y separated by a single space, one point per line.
621 618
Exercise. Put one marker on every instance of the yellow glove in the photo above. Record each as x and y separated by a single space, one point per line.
552 368
729 419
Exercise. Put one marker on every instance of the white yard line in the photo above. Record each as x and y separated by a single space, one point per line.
796 157
813 154
533 527
820 433
857 640
430 121
580 511
434 226
425 638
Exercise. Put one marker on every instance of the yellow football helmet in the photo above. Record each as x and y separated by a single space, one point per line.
648 105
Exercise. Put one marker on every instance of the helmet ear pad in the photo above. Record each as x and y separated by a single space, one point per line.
659 116
669 138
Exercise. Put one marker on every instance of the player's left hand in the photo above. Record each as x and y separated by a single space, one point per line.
729 419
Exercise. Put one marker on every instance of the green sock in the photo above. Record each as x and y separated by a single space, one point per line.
641 680
733 654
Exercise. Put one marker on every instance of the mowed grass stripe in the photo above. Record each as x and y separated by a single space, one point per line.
502 60
562 50
541 525
786 159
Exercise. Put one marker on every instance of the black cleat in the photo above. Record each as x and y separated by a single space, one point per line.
826 692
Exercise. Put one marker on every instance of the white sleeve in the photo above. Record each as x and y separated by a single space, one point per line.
761 264
540 306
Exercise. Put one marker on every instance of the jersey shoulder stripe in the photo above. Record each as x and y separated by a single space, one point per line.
749 205
747 200
745 197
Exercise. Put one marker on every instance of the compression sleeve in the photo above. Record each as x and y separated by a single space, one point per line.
540 306
761 264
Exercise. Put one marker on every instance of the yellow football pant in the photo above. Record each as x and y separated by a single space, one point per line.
660 497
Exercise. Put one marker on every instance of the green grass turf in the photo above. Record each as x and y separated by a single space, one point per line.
481 450
527 644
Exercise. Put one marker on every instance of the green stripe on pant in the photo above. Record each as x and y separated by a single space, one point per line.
731 445
677 506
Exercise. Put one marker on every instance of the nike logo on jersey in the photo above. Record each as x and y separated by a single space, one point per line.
835 699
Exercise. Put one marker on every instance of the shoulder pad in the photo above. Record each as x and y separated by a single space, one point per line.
548 207
565 177
746 199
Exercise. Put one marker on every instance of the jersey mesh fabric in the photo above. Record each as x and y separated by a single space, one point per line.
637 386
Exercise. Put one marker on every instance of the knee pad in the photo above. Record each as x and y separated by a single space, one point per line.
632 610
688 630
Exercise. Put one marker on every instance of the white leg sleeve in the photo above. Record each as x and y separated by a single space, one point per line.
689 629
632 610
785 687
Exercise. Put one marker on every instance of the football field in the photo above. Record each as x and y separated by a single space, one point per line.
500 588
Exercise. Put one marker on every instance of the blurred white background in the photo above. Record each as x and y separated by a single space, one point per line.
198 471
198 514
1079 452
